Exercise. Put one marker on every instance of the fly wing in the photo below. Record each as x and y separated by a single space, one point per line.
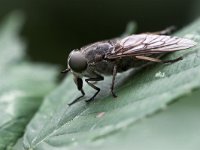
146 44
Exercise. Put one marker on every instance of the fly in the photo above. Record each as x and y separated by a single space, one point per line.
117 55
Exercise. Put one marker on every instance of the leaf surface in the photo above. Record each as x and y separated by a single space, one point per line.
110 121
23 85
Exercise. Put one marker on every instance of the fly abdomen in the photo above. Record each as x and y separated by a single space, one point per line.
106 67
128 63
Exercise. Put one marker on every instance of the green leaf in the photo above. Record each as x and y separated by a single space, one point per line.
131 28
11 47
174 128
110 121
22 85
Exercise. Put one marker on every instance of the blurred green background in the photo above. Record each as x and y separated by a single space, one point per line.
53 28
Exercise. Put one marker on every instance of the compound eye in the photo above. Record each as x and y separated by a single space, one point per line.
77 62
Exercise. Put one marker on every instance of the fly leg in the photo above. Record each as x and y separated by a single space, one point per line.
79 84
158 60
98 78
113 81
172 60
166 31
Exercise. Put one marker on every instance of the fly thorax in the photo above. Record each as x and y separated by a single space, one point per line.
77 62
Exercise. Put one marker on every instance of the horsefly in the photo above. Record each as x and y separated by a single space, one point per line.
117 55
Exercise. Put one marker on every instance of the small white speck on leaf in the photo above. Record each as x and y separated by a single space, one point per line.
160 74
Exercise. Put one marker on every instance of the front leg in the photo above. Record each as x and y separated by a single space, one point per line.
79 83
97 78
